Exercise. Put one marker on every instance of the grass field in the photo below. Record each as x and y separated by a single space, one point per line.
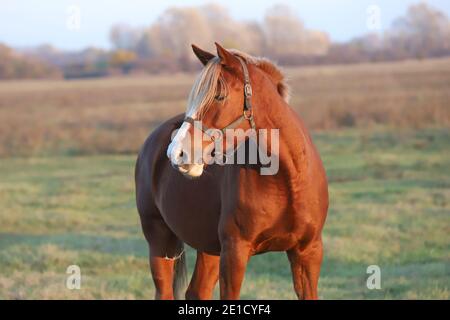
389 207
383 133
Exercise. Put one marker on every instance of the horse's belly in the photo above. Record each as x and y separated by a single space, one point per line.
191 209
197 231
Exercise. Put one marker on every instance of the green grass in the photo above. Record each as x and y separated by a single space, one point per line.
389 193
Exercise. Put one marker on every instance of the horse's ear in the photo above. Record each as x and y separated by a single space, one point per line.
227 58
202 55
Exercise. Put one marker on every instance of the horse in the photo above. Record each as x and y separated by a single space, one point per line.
230 212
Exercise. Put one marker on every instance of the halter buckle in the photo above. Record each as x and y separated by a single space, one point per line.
248 90
249 116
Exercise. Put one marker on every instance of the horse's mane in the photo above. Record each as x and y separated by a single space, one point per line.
210 82
271 69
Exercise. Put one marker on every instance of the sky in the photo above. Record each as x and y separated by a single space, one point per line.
76 24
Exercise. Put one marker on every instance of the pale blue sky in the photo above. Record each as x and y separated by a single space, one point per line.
26 23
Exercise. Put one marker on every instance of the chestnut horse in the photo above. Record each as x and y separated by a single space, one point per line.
230 212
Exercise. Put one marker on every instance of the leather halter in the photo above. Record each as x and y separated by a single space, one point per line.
247 113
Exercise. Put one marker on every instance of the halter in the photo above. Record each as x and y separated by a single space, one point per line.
247 113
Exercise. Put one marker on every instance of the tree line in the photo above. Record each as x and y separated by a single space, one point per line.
164 46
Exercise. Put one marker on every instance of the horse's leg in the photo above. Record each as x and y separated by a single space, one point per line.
204 279
234 257
164 246
305 266
162 274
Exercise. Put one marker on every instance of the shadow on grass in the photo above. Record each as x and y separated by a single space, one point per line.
103 244
274 264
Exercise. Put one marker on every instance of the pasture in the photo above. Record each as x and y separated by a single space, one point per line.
67 191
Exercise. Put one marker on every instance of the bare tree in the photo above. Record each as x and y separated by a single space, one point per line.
285 35
245 36
178 28
423 31
123 36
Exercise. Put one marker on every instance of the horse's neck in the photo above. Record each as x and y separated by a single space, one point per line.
294 141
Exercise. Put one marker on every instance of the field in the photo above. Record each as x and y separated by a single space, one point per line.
67 189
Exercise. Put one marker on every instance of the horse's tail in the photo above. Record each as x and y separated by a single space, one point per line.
180 276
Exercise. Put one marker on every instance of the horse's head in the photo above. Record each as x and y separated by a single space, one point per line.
220 99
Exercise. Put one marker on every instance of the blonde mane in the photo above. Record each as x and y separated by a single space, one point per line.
211 82
208 83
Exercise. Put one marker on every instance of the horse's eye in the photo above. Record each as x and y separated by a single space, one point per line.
219 98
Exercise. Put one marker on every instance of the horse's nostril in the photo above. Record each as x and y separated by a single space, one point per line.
181 154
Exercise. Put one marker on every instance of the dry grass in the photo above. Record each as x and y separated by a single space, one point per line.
410 94
115 115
